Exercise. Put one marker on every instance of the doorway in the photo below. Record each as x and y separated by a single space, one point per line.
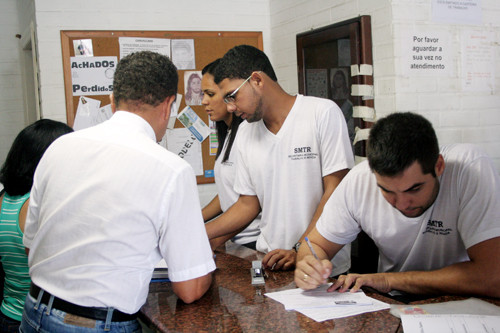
335 62
32 110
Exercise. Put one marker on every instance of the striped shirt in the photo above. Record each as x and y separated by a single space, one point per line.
13 257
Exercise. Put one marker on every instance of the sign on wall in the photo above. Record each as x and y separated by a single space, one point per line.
92 75
426 52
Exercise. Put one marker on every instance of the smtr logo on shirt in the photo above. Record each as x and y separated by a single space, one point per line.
302 153
302 150
437 228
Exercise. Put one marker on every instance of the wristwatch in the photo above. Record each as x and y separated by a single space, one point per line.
296 247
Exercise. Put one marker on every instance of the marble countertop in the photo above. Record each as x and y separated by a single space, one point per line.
233 304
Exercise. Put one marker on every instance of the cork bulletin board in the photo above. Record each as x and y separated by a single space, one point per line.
208 46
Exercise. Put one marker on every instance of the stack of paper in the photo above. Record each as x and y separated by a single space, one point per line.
320 305
449 323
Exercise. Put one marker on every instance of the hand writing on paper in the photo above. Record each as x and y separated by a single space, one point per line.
311 272
356 281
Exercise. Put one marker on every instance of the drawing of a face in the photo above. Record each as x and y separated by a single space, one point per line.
195 85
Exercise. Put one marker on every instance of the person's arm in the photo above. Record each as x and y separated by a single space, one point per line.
192 290
236 218
479 276
23 213
212 209
330 183
209 212
310 272
285 258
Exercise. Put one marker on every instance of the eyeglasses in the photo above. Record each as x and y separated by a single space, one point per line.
231 98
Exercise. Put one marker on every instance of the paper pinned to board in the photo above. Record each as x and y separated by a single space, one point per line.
89 113
194 123
174 112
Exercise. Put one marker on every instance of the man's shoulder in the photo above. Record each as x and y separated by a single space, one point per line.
247 128
461 152
320 102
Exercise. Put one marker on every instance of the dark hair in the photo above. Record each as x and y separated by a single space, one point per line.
221 126
400 139
240 61
144 77
188 85
26 151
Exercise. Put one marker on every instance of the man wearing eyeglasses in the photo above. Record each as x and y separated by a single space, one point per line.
292 156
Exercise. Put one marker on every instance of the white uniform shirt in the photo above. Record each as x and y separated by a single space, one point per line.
466 212
224 180
107 204
285 171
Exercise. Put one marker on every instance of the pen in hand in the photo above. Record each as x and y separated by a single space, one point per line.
315 255
311 248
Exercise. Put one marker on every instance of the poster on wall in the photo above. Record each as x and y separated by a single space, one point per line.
457 11
136 44
426 52
183 53
478 61
92 75
193 94
183 143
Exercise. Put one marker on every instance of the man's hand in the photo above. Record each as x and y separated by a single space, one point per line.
310 272
279 259
354 281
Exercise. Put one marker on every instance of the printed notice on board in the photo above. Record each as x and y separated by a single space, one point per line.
135 44
92 75
426 53
193 122
182 142
478 61
457 11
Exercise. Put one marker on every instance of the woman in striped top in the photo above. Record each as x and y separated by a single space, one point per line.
16 176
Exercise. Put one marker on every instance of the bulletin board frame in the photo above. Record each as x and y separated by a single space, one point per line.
209 45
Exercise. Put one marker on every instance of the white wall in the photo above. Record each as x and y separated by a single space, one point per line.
55 15
11 96
291 17
457 116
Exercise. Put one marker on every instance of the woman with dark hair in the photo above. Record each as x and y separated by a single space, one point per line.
227 125
16 176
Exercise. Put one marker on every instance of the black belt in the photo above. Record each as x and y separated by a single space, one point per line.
78 310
